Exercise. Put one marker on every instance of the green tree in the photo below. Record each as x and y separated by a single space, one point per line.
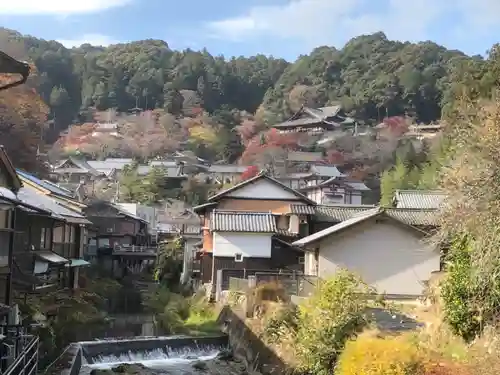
331 316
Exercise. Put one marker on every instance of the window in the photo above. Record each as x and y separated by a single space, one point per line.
5 219
238 257
42 238
302 260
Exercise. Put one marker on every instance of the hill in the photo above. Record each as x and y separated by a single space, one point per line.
371 77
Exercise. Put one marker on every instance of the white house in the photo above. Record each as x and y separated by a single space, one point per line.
336 190
380 245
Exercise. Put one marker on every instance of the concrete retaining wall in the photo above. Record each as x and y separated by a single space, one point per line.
247 345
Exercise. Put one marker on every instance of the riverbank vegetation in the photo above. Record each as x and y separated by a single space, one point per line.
177 313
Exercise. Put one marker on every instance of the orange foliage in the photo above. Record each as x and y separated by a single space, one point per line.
23 115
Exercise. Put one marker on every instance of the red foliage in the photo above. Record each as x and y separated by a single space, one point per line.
272 141
397 125
250 172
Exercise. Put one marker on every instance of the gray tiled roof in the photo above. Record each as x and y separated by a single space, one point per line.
31 197
304 156
416 217
338 213
412 217
357 185
326 171
302 209
427 199
338 227
227 168
109 164
237 221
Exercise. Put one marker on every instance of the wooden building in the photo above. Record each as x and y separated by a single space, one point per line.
247 225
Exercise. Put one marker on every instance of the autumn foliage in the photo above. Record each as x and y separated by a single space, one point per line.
395 125
268 144
23 115
250 172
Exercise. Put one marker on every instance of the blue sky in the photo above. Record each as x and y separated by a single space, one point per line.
284 28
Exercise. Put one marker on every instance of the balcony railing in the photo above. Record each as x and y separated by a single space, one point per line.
18 351
135 249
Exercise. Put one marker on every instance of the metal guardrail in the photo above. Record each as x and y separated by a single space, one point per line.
23 356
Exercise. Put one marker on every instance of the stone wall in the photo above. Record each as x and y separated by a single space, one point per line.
246 345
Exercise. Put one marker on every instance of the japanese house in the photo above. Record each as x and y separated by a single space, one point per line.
245 227
49 246
337 190
18 348
76 170
118 240
365 242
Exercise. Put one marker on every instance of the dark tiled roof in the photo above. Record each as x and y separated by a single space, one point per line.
31 197
338 213
237 221
286 233
302 209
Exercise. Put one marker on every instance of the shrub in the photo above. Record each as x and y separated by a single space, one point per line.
458 292
444 368
379 356
282 322
271 291
331 316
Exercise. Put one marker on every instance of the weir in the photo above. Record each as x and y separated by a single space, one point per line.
157 353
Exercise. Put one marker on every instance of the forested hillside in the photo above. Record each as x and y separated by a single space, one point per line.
371 76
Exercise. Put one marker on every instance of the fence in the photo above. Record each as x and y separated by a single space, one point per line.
294 283
19 354
224 275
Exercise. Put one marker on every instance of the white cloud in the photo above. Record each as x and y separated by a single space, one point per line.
317 22
57 7
93 39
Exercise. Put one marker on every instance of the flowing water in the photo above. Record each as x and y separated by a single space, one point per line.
169 361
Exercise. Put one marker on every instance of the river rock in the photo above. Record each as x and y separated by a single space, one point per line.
101 372
225 355
131 369
200 366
